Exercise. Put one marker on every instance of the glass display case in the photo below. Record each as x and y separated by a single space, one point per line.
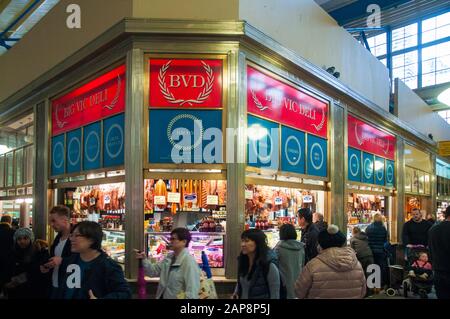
114 244
212 243
273 236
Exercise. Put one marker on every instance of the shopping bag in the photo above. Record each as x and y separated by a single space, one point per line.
207 287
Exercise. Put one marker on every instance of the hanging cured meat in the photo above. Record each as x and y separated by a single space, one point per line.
173 208
161 190
121 196
204 193
148 194
222 192
100 200
114 199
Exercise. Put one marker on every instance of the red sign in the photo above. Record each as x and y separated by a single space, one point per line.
365 137
185 83
275 100
91 102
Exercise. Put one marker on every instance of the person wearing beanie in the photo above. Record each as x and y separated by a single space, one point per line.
334 273
26 280
309 233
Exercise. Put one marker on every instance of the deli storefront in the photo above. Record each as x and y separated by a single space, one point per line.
211 135
87 154
370 176
287 152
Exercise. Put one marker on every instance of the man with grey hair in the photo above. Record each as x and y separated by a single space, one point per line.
319 222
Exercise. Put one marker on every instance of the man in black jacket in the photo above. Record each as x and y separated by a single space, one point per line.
439 244
6 247
415 231
310 233
319 222
59 219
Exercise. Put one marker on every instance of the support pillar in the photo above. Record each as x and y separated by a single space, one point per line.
134 148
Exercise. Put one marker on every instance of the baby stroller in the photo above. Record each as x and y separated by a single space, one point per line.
396 274
418 281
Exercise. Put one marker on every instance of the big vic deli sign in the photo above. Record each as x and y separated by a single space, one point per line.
185 83
97 99
365 137
282 103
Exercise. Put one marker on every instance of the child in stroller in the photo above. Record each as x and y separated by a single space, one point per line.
420 274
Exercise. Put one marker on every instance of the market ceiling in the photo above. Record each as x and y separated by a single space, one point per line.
352 15
17 17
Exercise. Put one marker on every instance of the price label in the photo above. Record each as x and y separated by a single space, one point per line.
107 199
278 201
248 194
190 198
307 199
173 197
92 200
159 200
212 200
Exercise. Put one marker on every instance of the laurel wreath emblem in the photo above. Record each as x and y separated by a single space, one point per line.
110 106
261 107
204 94
58 121
257 102
180 117
322 122
116 97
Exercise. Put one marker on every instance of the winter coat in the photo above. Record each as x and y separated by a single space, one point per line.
377 235
291 258
334 273
321 225
309 238
177 280
264 283
360 245
439 244
105 278
26 266
6 251
416 233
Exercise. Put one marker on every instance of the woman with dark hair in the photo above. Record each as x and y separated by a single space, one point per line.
89 273
26 280
291 258
258 275
179 273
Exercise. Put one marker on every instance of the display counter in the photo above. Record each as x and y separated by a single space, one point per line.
114 244
211 243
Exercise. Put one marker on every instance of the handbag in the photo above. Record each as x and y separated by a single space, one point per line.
207 288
